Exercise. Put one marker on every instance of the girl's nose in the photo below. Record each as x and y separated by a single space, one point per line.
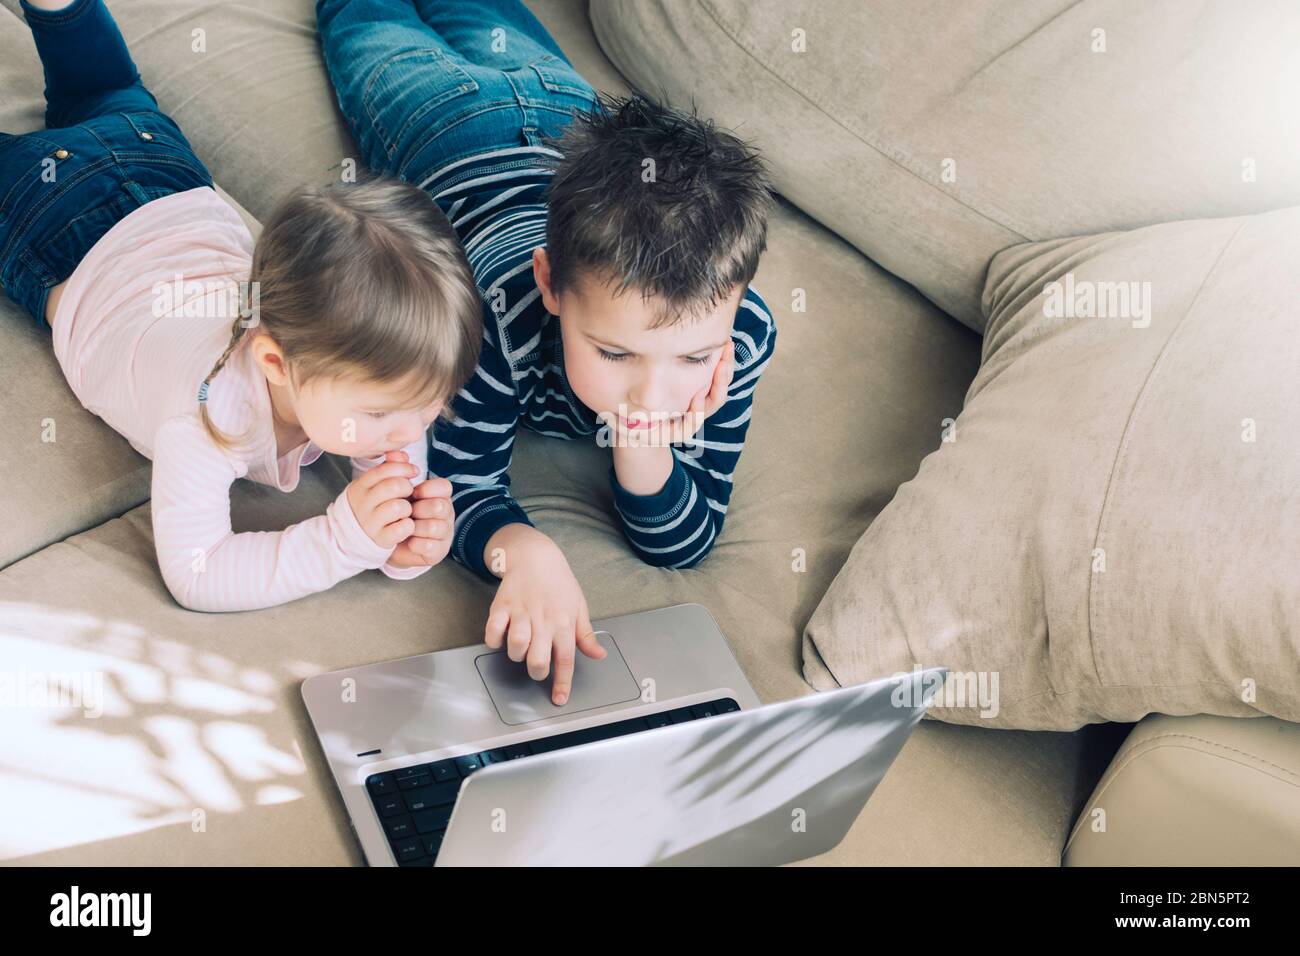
406 435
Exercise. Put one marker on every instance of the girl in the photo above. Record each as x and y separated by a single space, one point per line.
346 329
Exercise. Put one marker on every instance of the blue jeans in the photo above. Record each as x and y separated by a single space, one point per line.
106 151
423 83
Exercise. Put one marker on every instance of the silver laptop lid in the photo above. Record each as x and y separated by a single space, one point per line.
755 787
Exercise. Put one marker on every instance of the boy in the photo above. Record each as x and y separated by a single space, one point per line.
613 249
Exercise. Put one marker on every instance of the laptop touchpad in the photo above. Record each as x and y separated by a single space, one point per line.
520 699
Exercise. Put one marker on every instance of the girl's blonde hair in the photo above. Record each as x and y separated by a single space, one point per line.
365 280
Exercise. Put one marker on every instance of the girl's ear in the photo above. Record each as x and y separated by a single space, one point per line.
269 358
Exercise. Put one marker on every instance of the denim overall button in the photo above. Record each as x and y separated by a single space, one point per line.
146 136
61 154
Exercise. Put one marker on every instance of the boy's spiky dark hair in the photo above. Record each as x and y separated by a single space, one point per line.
656 199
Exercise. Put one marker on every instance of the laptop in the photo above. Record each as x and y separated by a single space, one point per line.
663 754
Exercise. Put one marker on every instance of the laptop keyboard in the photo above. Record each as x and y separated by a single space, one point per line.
414 803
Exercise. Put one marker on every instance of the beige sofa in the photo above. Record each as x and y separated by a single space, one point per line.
203 754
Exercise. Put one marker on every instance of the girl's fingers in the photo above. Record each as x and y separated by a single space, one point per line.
431 508
433 488
395 533
383 471
389 510
408 553
431 528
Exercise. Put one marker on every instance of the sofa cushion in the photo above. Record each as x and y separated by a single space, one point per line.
63 469
932 136
1114 525
1196 791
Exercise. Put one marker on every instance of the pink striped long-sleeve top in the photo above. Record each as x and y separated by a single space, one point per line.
141 322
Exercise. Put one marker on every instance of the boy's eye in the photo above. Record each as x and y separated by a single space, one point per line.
377 414
620 356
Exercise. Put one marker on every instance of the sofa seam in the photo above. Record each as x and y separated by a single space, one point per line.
1145 685
67 538
1148 686
1017 231
1122 447
1144 746
1001 53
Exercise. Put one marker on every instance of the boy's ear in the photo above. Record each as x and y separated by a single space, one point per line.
542 273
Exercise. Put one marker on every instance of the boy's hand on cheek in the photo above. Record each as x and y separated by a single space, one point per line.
707 401
674 432
540 614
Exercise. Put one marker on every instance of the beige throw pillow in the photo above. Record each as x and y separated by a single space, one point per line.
1111 526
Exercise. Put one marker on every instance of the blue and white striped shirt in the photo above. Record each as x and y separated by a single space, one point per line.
497 203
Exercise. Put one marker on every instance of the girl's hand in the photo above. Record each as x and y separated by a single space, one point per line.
432 516
379 500
431 510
